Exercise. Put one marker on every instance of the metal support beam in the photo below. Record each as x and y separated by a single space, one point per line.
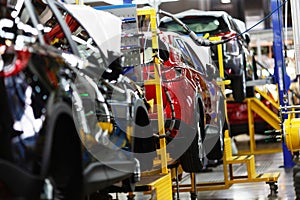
127 1
279 71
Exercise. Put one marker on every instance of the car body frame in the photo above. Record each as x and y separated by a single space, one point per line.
56 106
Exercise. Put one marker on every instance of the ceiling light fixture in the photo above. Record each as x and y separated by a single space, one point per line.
225 1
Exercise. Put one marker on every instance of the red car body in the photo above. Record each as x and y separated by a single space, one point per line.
238 118
189 85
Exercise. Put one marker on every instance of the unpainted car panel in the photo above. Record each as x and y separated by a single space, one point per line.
40 95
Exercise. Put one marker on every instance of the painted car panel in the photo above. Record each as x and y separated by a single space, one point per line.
184 86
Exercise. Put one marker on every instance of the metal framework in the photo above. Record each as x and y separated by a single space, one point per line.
229 177
254 105
229 160
158 184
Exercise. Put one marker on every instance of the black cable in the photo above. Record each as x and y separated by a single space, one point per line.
263 19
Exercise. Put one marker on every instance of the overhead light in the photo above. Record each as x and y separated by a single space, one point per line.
225 1
120 2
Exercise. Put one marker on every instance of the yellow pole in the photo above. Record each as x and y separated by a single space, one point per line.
157 81
251 127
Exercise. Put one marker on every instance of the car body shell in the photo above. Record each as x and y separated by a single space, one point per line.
48 95
186 86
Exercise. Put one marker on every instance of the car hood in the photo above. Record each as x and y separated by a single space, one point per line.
194 12
103 27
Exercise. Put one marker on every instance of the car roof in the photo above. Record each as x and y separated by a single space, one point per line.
194 12
103 27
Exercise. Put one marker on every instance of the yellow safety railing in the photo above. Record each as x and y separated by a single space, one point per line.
268 98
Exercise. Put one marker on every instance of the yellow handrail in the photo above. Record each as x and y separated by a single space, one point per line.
150 12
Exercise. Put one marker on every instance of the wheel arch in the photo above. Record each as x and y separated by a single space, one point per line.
141 117
60 124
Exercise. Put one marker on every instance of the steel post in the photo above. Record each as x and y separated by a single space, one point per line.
279 71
